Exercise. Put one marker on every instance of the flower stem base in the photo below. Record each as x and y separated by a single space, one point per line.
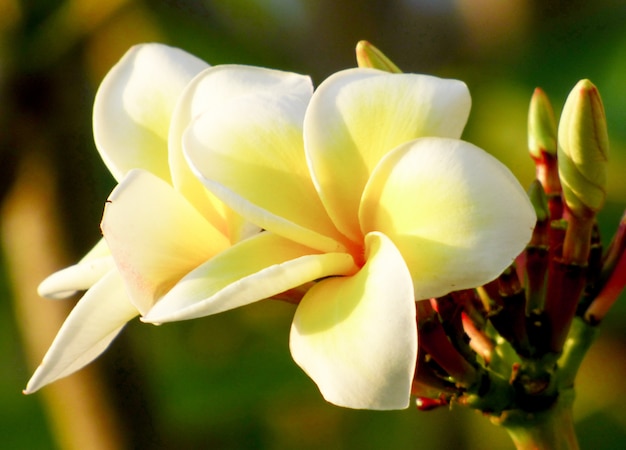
551 429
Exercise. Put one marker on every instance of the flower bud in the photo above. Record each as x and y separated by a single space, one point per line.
583 150
541 125
369 56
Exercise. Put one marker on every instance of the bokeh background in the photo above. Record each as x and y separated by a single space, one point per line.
228 382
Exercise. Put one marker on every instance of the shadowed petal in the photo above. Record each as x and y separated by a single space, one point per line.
94 322
357 116
356 337
155 236
457 215
134 104
257 268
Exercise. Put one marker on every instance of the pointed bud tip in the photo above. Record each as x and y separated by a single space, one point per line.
542 131
368 56
583 150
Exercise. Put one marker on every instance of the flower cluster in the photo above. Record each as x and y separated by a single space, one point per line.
357 201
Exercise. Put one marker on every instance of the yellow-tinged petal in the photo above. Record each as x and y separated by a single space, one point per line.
356 337
250 155
357 116
155 236
209 91
257 268
134 105
457 215
94 322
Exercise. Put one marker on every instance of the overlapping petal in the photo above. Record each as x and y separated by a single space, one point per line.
94 322
209 92
250 154
356 337
356 116
457 215
134 104
155 236
255 269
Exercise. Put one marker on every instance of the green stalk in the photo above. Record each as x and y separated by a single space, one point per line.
552 429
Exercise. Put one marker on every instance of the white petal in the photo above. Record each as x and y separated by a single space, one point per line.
155 236
89 329
134 104
357 116
78 277
255 269
458 216
356 337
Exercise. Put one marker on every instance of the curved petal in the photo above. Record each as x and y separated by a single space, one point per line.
356 337
155 236
134 104
94 322
457 215
249 153
78 277
357 116
255 269
210 91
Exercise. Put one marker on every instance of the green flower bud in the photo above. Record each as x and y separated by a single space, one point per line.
370 57
583 150
541 125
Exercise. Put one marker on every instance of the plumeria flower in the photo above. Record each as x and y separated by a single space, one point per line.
141 110
366 190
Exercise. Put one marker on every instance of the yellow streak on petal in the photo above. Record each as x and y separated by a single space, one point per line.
211 90
250 154
457 215
260 267
357 116
356 336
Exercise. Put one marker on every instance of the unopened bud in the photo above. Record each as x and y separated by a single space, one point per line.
368 56
583 150
541 125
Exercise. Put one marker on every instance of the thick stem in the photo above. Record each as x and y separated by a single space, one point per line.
552 429
566 283
579 340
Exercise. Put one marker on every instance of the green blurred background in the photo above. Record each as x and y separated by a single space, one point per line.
228 382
